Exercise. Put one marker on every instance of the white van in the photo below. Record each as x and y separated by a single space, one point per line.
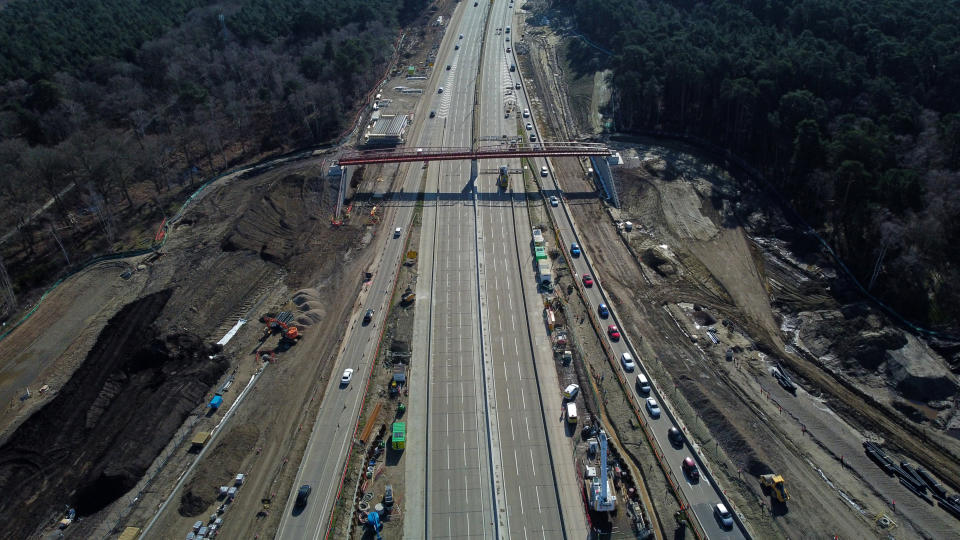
642 383
628 363
572 413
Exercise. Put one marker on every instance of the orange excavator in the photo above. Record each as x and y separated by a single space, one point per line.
289 333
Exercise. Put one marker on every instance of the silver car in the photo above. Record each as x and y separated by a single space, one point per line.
653 408
723 516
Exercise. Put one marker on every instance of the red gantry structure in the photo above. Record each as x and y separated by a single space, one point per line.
498 151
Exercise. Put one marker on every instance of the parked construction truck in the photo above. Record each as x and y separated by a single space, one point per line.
775 483
544 269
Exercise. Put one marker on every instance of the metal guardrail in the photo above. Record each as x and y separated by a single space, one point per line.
611 357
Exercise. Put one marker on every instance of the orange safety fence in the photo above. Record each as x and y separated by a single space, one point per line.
373 363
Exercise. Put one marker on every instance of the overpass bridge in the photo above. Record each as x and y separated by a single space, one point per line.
504 150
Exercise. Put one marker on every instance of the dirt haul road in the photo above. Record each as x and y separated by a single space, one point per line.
691 257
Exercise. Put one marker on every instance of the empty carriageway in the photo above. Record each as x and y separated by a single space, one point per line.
458 485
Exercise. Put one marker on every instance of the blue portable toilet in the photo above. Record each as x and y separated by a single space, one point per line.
373 519
216 402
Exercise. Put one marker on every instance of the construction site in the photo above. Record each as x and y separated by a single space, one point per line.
177 391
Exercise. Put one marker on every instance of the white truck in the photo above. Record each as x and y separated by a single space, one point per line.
544 273
538 238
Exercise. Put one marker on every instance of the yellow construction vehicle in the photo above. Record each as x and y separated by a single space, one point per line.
503 179
776 484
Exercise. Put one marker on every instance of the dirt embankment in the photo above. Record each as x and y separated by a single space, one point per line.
94 441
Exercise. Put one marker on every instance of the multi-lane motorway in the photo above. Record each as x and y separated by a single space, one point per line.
483 460
458 500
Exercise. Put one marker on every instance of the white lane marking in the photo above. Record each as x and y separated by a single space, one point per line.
448 491
466 492
516 462
520 491
528 427
538 498
533 464
512 436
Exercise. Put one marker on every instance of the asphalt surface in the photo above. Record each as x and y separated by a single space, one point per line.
703 495
459 501
529 496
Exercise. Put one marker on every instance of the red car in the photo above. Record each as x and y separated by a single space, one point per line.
614 333
690 467
587 280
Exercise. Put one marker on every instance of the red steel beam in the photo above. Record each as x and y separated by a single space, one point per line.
407 154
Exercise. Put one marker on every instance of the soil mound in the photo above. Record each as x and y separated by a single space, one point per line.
272 227
97 437
306 295
308 301
918 375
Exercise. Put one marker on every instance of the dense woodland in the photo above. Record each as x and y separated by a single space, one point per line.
849 107
116 108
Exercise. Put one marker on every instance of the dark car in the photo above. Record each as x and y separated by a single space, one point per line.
675 436
367 317
603 311
433 114
388 496
302 495
448 67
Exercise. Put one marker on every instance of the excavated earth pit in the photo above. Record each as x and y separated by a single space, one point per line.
97 437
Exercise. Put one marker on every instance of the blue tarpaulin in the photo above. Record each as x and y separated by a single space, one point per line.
216 402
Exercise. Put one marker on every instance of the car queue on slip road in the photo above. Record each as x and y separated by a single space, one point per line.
714 515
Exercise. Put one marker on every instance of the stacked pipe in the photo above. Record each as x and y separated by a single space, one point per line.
880 457
916 479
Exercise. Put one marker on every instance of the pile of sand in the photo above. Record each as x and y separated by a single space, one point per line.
308 302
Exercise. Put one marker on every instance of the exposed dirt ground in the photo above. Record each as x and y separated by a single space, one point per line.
95 439
705 273
238 251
